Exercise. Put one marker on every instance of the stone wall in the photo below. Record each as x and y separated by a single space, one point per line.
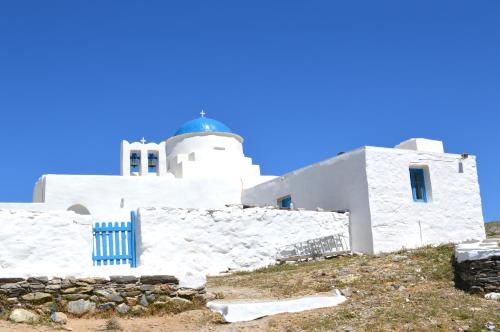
123 294
478 276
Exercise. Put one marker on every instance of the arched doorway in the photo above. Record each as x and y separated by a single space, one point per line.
79 209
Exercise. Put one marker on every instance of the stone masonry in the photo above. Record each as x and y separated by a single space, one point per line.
478 276
477 266
123 294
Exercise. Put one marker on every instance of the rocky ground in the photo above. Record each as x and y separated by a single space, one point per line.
406 291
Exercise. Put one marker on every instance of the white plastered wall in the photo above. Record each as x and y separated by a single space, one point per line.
212 241
338 183
143 150
197 155
113 197
453 212
188 243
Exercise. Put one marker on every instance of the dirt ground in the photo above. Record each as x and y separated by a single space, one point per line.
406 291
190 321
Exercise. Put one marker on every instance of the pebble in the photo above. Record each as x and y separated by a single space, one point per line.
399 258
493 296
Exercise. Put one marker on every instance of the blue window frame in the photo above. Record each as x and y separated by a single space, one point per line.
152 162
418 185
285 202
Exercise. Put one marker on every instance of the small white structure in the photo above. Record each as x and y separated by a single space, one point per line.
403 197
398 198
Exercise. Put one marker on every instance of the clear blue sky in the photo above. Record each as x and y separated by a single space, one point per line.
300 80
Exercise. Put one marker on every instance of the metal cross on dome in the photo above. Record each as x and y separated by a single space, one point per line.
143 140
202 114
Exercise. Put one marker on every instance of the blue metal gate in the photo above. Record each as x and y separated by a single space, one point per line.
114 243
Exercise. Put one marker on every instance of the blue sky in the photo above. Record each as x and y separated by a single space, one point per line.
300 80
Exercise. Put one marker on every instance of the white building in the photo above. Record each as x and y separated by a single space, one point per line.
407 196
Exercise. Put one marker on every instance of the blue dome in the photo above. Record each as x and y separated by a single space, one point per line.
202 125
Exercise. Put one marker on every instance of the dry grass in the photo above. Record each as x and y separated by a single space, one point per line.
113 324
415 293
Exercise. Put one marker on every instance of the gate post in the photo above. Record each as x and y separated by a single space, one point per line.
134 254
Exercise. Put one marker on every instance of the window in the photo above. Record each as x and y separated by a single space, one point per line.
135 162
285 202
152 162
418 185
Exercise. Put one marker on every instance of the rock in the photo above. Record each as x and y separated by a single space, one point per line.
80 307
199 298
131 301
12 290
54 287
115 298
40 280
106 306
490 326
122 308
12 300
143 301
137 309
131 287
74 297
102 292
80 290
10 280
492 296
109 295
94 298
186 293
23 316
55 281
208 296
37 287
123 279
131 293
399 258
181 301
37 297
347 292
59 317
70 290
145 288
66 284
93 281
476 290
159 279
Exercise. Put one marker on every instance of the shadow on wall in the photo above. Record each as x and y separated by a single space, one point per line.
79 209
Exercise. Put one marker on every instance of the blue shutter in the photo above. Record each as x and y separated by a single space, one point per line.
417 180
286 202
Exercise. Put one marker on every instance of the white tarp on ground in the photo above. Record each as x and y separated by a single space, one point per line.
245 311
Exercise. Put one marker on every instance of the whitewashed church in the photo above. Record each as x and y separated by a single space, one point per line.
383 199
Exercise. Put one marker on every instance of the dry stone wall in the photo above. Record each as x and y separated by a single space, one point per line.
478 276
477 266
122 294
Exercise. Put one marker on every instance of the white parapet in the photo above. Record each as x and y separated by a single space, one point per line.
187 243
477 250
421 144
